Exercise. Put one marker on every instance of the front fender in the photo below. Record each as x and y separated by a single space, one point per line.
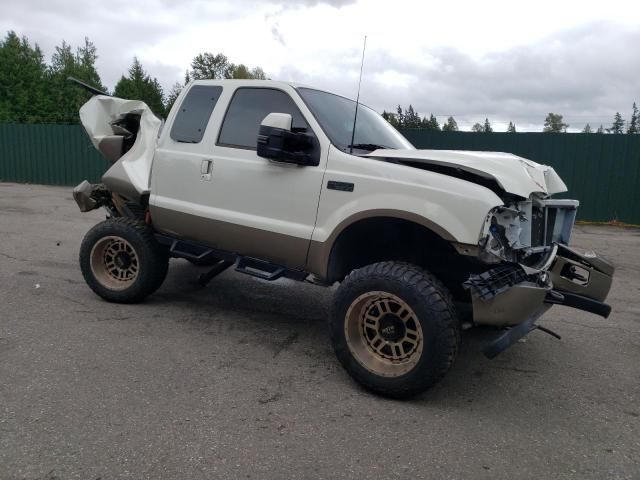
451 207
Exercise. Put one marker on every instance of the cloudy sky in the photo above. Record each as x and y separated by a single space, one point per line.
505 60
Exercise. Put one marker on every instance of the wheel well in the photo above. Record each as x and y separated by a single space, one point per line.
380 239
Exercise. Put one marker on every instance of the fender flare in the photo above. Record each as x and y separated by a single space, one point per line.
320 252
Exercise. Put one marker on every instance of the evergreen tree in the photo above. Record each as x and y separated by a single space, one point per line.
409 117
511 128
554 124
400 117
587 129
258 74
618 124
600 129
140 86
63 98
391 118
450 126
412 118
22 76
173 96
482 127
432 123
634 123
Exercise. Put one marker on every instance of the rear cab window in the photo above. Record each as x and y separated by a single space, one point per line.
192 118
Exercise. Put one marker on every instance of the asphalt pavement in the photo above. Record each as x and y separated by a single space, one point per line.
238 380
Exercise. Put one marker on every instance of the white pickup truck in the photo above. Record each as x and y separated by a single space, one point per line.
268 177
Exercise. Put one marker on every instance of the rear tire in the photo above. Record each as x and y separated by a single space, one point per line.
394 328
121 260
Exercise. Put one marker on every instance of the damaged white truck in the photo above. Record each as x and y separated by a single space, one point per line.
271 178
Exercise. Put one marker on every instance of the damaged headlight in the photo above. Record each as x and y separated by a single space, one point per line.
501 234
513 232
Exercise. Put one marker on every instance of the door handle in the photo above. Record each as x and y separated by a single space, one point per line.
205 169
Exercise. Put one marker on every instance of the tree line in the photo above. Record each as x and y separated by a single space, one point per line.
35 91
409 118
553 123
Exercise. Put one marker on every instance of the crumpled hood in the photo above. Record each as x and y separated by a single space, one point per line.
515 175
130 173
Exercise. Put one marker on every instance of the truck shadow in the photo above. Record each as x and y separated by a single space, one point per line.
289 316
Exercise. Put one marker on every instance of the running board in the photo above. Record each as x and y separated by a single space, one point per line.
255 267
259 268
193 251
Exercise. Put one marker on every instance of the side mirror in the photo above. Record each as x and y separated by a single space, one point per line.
277 142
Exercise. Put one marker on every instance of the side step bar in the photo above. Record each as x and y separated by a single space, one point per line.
242 264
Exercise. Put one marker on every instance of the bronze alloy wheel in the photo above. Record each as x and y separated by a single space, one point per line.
383 334
114 263
121 260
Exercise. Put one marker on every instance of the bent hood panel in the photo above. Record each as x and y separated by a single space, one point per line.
514 174
130 174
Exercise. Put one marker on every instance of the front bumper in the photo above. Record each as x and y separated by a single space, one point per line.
512 294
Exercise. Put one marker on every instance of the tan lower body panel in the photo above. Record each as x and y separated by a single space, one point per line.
291 252
280 249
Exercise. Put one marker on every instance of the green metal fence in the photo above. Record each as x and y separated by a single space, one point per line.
48 155
602 171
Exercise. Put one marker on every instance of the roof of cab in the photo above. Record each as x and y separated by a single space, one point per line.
261 83
247 83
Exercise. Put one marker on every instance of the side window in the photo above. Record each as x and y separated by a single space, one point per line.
246 111
191 121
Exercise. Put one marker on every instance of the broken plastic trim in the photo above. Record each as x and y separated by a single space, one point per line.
91 196
488 284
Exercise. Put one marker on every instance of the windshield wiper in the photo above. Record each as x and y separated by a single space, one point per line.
369 146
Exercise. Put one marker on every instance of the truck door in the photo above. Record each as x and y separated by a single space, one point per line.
224 195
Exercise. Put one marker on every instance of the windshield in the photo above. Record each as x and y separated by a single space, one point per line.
335 115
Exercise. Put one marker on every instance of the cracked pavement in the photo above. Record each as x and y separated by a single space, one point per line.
237 380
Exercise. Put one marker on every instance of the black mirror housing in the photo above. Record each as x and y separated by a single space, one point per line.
283 145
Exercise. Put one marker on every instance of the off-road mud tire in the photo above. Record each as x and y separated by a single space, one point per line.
136 239
421 294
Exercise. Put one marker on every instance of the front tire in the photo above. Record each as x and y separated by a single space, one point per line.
121 260
394 328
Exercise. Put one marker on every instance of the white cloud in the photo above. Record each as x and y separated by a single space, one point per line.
502 59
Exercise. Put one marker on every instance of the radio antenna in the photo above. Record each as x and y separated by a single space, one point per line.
355 116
